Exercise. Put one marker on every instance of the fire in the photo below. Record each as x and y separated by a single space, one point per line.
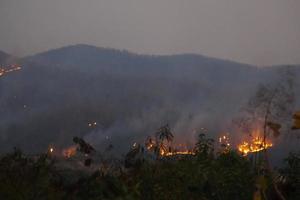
224 140
11 68
257 144
50 150
187 152
69 152
152 144
183 150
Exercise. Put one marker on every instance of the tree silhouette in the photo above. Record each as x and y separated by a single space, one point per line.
162 136
271 107
204 146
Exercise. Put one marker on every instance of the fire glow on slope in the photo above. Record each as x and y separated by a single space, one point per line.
152 144
252 145
69 152
10 69
255 145
174 153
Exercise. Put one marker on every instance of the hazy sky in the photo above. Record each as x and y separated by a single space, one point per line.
261 32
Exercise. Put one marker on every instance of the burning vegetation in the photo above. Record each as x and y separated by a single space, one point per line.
225 171
255 145
69 152
256 142
9 69
174 153
164 148
162 145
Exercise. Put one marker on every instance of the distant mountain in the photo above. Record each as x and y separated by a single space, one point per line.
3 57
7 59
82 54
59 92
186 66
78 56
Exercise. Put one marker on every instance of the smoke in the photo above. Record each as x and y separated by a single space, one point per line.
129 96
188 119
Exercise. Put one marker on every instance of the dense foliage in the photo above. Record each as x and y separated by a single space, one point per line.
209 174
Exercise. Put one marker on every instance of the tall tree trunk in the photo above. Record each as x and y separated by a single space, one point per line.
266 158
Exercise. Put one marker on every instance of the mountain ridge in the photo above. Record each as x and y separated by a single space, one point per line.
124 52
83 48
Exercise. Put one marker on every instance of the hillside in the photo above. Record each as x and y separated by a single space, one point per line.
58 93
3 58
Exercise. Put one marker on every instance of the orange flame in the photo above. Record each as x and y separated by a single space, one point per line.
69 152
183 150
11 68
187 152
257 144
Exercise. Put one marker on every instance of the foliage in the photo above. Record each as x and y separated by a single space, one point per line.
101 187
25 177
291 175
162 136
204 147
270 107
205 176
227 176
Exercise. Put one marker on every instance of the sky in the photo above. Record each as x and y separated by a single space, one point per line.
258 32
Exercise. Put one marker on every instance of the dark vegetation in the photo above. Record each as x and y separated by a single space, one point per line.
209 174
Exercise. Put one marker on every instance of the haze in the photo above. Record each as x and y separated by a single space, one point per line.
259 32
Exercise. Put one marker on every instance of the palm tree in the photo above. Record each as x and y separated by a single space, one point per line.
162 135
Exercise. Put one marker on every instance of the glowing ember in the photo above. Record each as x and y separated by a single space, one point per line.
256 145
163 153
224 140
50 150
69 152
150 143
183 150
11 68
150 146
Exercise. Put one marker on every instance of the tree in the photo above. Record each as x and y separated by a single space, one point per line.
204 146
271 108
291 174
23 177
163 135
